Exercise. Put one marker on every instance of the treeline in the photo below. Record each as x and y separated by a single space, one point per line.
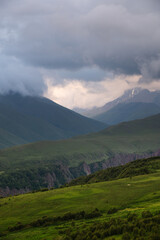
36 179
146 227
32 179
47 221
135 168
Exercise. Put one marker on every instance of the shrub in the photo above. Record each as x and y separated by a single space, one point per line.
126 236
146 214
112 210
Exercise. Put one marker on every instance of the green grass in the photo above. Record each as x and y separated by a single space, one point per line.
128 195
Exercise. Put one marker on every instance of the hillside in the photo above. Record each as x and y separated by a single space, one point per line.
125 208
125 112
135 95
25 119
53 163
135 168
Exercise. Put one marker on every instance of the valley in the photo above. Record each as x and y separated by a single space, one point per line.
53 163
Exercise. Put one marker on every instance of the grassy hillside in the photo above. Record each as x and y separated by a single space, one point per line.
133 137
135 168
38 159
125 207
127 112
25 119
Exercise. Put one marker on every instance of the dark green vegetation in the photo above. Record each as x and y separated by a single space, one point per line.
124 112
52 163
127 208
135 168
25 119
132 227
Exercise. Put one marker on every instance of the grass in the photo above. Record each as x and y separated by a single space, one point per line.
128 195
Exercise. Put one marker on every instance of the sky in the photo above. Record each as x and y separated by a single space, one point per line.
79 53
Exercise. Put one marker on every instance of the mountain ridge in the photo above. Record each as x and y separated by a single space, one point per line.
30 119
123 112
131 95
52 163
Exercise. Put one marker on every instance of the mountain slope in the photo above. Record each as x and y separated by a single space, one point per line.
135 168
52 163
127 112
32 119
118 209
132 95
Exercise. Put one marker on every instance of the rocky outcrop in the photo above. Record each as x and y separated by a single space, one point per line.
12 192
60 174
117 160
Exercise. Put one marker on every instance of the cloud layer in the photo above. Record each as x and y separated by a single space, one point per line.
87 94
85 40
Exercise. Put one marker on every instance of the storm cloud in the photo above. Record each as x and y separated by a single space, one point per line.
68 36
17 77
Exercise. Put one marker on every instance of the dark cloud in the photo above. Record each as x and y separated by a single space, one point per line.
150 70
109 36
118 36
86 74
14 76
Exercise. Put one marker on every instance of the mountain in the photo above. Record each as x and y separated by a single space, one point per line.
25 119
132 95
128 111
53 163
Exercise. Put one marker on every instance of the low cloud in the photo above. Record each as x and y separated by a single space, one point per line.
17 77
150 70
82 94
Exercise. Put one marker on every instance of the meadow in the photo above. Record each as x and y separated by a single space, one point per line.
43 215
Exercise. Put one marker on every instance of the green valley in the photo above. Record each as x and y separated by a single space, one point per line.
90 211
53 163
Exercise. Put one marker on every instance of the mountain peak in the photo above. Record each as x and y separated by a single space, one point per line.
131 95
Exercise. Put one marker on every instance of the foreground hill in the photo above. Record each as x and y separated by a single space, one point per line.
125 208
135 168
125 112
25 119
53 163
